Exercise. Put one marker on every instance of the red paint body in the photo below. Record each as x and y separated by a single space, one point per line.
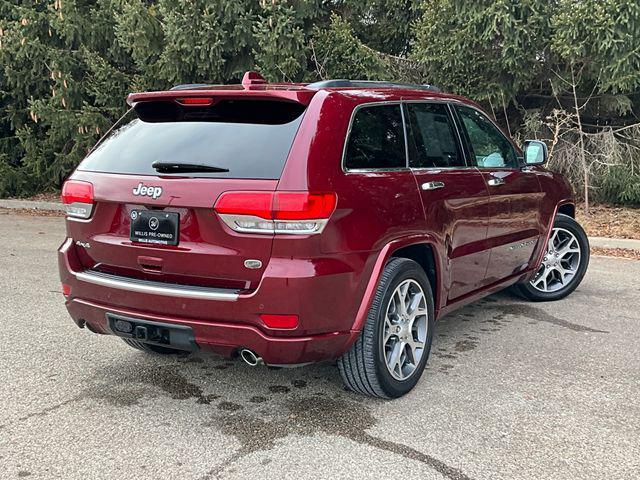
327 280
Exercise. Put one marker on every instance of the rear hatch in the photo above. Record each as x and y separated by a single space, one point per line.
156 177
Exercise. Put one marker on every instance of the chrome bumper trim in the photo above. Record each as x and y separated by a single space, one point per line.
156 288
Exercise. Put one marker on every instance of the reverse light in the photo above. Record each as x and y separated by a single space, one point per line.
298 213
280 321
77 198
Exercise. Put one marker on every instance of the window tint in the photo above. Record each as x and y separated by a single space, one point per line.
432 140
251 141
376 139
489 146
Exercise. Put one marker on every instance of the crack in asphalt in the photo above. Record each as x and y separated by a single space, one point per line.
41 413
306 413
308 416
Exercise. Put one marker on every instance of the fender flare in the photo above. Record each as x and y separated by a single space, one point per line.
383 256
536 265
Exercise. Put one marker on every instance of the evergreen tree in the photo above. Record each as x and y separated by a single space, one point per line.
505 50
67 65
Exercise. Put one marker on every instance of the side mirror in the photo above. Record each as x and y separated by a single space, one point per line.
535 152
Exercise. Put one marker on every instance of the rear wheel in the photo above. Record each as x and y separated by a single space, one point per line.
564 263
149 348
390 355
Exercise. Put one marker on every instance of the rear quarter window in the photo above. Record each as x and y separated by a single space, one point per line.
376 139
249 138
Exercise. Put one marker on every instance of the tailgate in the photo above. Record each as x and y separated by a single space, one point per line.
208 253
174 157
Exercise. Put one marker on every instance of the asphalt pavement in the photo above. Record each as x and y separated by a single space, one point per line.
513 390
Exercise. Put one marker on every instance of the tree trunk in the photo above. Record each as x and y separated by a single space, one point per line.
583 158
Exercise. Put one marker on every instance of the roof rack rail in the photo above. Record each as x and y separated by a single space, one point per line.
190 86
344 83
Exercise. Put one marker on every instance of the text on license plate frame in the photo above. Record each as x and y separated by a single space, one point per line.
155 227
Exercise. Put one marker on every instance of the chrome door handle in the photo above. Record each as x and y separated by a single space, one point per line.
494 182
432 185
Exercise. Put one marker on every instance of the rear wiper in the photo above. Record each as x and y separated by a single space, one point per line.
175 167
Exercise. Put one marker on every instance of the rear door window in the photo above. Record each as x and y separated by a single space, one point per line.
376 140
249 138
432 139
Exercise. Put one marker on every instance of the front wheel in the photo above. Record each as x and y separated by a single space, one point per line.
564 263
390 355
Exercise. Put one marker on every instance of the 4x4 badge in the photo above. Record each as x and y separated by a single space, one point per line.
143 190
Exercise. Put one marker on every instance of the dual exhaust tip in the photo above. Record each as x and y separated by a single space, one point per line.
250 357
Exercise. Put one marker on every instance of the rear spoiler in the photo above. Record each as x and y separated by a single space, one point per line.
301 96
253 87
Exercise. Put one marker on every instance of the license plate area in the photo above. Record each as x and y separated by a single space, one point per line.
153 226
169 335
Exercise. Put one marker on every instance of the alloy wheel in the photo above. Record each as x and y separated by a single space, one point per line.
560 262
404 333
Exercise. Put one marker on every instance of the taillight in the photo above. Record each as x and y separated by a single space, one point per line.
77 198
301 213
255 204
303 205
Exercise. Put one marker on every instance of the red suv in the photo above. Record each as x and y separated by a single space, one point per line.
294 223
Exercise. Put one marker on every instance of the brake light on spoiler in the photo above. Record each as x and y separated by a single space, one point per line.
77 198
195 101
282 212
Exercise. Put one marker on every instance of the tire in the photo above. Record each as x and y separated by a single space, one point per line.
364 367
563 228
149 348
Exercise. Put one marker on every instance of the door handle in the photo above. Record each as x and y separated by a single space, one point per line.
432 185
495 182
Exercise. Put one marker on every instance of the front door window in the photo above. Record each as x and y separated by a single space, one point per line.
489 146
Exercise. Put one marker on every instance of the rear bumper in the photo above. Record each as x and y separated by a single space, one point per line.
224 321
225 339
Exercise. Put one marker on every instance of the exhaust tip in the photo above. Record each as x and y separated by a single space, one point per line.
250 358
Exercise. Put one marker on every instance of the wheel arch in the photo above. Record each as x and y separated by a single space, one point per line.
532 293
568 209
565 207
424 255
420 248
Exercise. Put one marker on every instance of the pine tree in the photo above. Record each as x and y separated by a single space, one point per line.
62 85
67 65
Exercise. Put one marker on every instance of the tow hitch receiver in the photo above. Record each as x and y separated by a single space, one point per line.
165 334
140 333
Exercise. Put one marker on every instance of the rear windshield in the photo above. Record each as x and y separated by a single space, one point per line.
249 138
